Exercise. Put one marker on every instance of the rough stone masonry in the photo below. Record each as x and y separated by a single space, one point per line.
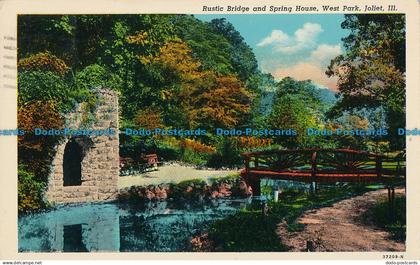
86 168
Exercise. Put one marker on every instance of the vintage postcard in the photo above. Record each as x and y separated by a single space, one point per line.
221 129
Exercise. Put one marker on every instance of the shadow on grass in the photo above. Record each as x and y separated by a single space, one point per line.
246 231
249 230
392 220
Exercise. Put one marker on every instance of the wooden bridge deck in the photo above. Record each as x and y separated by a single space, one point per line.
321 166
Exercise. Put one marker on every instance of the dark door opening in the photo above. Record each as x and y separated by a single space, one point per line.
72 164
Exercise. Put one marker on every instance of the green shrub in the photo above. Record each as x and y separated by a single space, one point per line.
190 156
228 154
97 76
231 178
36 152
44 86
393 221
45 62
30 192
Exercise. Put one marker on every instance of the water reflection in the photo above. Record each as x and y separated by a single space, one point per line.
158 226
73 238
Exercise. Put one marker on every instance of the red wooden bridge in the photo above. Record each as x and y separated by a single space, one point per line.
322 166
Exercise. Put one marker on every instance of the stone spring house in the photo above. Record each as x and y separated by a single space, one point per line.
86 168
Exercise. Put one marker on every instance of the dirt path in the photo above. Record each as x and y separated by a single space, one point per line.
340 228
171 173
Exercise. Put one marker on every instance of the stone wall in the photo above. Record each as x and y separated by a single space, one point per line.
100 161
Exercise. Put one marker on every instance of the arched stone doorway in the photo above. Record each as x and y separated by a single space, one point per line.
86 167
72 164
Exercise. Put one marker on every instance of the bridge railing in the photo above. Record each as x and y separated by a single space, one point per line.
324 161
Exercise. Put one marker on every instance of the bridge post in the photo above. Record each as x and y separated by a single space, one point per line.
247 160
378 166
251 180
313 172
255 184
391 201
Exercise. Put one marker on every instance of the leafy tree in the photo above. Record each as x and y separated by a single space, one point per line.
30 192
44 61
45 33
305 90
242 57
209 47
44 86
296 106
292 112
224 103
45 77
97 76
36 151
178 74
205 98
262 87
134 40
177 63
353 122
372 71
148 119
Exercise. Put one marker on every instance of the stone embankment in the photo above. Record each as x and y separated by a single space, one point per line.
196 189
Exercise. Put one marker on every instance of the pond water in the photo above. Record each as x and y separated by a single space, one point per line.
150 227
142 227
